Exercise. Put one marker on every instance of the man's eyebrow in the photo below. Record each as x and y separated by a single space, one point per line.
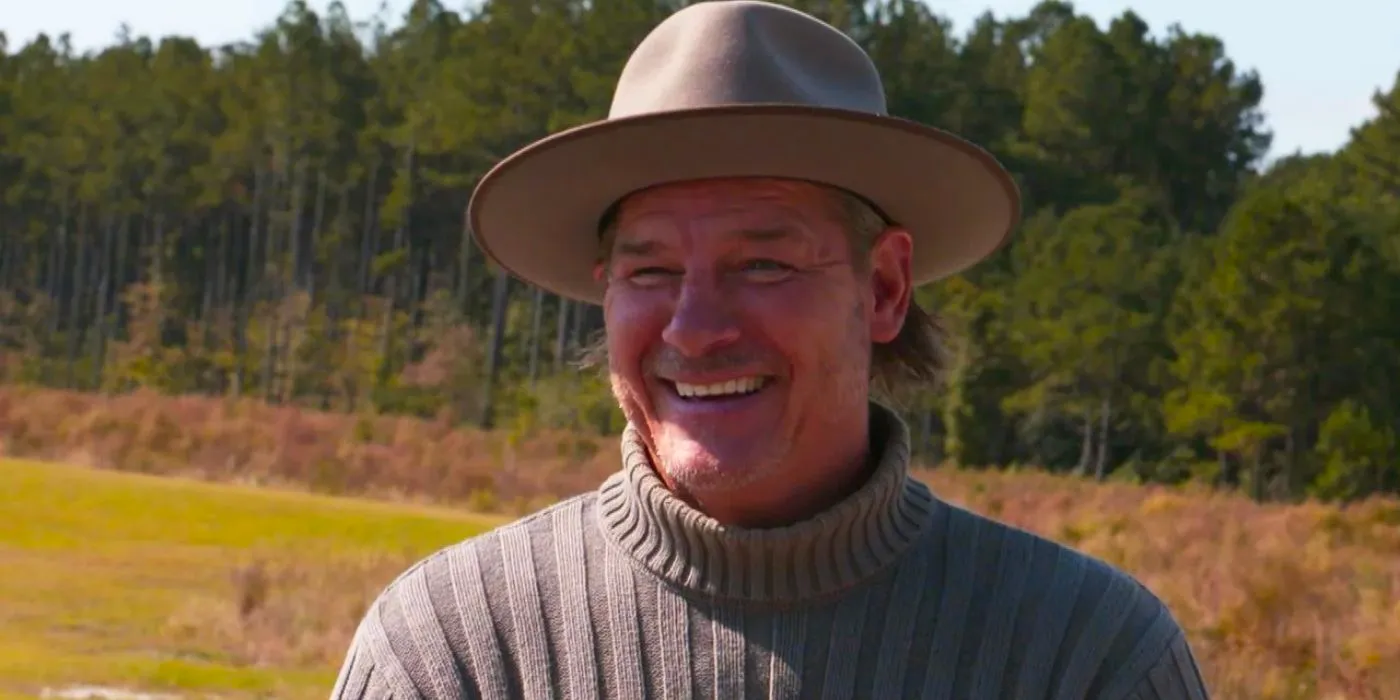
636 248
764 235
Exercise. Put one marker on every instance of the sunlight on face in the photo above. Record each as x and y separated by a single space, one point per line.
738 338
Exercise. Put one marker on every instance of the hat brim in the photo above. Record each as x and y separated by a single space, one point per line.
536 213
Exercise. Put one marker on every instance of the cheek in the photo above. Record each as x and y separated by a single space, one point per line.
633 327
809 326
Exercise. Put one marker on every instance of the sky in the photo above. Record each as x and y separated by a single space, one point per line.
1320 61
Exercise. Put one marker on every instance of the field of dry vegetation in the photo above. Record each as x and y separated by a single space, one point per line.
1280 601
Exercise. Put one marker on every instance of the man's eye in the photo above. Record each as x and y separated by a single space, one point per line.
767 270
649 275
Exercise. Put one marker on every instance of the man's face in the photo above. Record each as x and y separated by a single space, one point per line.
739 332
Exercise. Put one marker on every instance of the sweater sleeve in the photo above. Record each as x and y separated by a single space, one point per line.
1174 676
371 670
358 679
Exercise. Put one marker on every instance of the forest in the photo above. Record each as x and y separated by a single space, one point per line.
282 220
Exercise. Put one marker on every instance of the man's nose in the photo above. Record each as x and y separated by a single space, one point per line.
701 320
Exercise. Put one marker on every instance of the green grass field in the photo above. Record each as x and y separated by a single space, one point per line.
138 582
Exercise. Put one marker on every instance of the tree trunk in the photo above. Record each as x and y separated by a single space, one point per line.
57 260
334 296
1086 447
500 298
422 273
561 334
101 300
269 369
391 292
307 269
536 317
210 283
243 314
76 322
577 330
157 250
464 270
1105 418
290 320
268 281
369 233
1256 474
1290 465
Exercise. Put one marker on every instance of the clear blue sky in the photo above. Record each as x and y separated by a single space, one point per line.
1320 61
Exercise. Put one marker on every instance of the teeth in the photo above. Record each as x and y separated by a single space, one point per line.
747 385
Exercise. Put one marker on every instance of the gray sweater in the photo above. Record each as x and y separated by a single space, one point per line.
627 592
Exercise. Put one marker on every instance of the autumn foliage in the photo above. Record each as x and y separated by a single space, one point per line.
1280 601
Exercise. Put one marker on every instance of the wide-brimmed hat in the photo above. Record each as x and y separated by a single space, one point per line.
737 88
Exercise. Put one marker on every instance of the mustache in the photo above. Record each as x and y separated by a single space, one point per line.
668 362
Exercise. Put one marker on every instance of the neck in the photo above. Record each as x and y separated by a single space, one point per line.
851 540
808 486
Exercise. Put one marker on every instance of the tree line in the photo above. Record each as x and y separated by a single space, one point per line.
283 219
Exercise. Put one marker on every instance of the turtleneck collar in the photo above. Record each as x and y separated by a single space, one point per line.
834 550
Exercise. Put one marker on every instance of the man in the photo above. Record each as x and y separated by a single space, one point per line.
754 226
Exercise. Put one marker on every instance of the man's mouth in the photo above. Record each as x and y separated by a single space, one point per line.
720 390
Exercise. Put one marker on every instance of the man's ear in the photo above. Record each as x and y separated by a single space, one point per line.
891 283
600 272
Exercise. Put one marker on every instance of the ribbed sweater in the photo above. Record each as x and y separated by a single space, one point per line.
628 592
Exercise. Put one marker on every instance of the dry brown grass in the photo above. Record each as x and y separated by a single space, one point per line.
285 613
1280 601
386 457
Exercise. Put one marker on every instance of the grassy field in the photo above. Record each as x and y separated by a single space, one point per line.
137 581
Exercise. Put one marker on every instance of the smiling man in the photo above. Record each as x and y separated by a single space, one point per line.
741 323
754 225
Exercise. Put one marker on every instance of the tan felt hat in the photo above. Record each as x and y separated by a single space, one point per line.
736 88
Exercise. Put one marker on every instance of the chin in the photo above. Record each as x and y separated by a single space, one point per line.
699 466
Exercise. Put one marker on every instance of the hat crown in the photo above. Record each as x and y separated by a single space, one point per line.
745 52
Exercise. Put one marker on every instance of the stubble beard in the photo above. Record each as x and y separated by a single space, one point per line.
683 460
687 465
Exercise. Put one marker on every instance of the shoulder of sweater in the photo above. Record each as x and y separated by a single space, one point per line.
439 564
1174 674
537 521
385 657
1113 612
1095 575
